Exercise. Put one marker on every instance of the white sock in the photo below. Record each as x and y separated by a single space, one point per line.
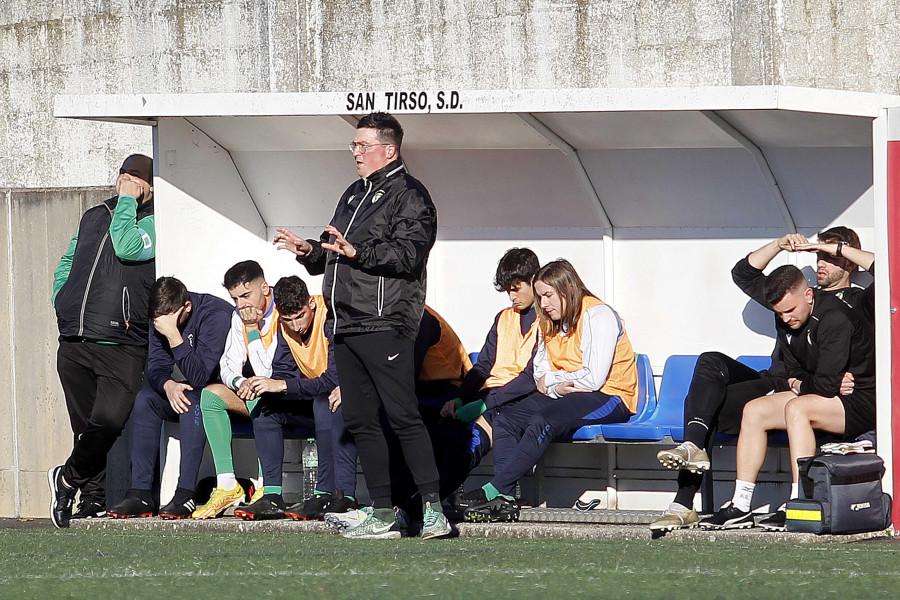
743 494
795 491
226 481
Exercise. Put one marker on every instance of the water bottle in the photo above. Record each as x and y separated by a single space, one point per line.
310 467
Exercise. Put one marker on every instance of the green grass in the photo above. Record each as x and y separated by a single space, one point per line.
48 564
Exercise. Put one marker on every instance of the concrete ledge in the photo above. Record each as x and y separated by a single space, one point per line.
483 530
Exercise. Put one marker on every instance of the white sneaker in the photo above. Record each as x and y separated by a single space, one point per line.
346 521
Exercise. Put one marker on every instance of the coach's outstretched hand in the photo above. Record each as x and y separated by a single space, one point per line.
286 239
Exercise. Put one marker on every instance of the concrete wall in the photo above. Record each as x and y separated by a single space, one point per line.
35 229
110 46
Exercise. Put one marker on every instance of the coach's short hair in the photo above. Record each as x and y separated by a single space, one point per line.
389 129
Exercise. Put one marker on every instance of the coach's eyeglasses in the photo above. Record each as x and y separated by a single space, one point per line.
354 146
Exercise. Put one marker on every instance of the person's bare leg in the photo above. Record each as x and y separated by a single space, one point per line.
760 416
231 400
803 416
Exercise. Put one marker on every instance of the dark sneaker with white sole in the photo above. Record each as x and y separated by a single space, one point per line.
775 521
89 509
728 517
62 497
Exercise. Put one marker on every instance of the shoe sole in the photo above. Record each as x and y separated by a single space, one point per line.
746 525
113 515
432 535
388 535
673 527
247 516
485 515
297 517
171 517
675 462
772 528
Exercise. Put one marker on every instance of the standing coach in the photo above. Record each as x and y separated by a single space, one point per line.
373 255
101 291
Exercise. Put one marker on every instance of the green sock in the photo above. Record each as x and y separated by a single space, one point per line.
272 489
491 492
471 411
217 425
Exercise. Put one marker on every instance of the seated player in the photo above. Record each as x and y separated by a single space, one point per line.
502 375
585 373
187 333
249 350
303 375
721 386
820 338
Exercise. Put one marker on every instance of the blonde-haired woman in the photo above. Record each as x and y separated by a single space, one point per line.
585 372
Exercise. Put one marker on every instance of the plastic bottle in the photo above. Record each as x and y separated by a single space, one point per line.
310 467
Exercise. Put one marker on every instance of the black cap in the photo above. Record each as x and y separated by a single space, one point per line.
138 165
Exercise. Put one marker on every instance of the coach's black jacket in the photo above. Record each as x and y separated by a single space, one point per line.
391 221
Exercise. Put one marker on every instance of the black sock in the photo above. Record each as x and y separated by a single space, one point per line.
182 495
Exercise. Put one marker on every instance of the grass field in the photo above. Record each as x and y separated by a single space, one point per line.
49 564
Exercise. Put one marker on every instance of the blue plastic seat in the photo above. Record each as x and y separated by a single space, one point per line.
758 363
473 356
646 405
668 418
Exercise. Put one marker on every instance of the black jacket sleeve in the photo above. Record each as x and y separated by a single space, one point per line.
833 342
751 281
315 260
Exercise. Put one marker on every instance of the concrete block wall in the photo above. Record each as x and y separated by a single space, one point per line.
35 230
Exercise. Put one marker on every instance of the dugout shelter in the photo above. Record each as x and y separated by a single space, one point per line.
653 195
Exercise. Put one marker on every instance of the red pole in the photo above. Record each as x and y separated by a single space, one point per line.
893 207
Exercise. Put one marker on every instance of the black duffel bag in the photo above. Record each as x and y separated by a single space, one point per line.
840 494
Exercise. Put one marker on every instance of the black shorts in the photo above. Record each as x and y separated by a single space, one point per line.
738 395
859 414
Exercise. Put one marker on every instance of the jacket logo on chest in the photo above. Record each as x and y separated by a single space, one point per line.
377 196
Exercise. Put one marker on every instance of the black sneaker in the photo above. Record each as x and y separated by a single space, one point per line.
61 498
131 507
500 508
311 508
89 509
469 499
775 521
728 517
178 510
270 506
339 503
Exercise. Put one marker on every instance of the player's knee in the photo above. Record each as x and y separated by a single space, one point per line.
796 411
